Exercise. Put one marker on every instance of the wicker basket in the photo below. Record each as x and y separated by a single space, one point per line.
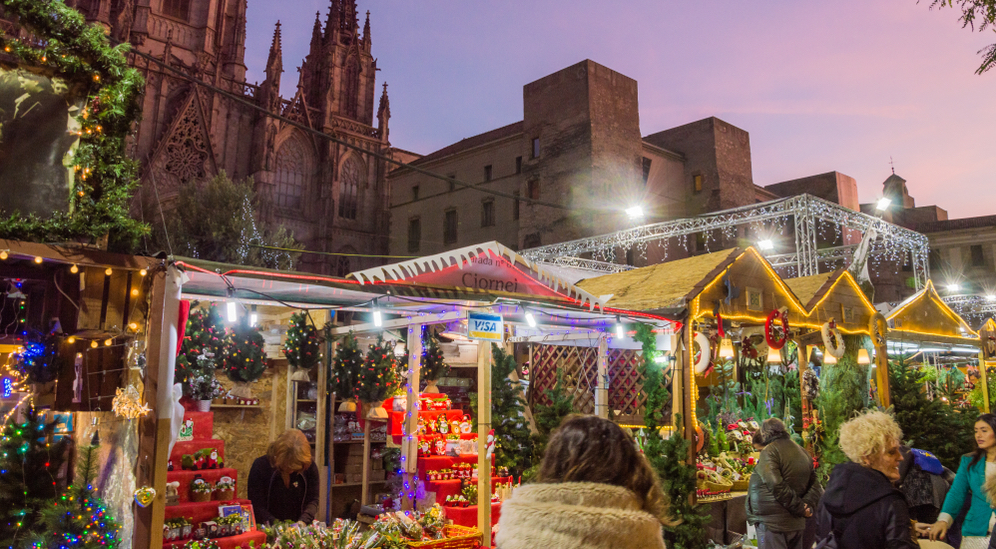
457 537
714 482
742 484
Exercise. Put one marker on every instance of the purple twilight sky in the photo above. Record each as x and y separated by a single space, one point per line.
820 86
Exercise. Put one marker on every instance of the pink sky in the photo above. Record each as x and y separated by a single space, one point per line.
820 86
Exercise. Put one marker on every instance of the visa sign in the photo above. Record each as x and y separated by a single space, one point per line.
483 326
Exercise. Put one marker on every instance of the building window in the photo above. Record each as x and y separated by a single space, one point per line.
532 189
414 193
349 185
697 183
340 264
450 226
487 172
978 258
452 177
646 169
292 173
536 147
179 9
531 241
518 164
488 212
515 205
414 234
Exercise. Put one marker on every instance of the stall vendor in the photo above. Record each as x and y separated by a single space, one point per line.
283 484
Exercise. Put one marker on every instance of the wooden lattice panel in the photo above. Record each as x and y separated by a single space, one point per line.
580 367
626 396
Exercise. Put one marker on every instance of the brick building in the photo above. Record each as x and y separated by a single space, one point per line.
333 199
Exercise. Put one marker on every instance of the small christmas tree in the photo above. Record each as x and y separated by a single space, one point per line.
346 368
549 416
79 518
204 335
380 375
245 359
29 466
301 346
38 361
433 364
513 441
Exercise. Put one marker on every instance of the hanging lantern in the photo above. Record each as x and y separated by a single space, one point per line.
829 359
726 349
863 356
774 355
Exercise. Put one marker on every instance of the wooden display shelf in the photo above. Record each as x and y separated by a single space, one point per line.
348 484
358 441
238 406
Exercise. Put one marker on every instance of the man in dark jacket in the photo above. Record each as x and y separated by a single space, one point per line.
783 490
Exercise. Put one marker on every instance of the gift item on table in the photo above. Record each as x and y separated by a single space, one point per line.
466 426
452 445
440 447
200 490
224 490
443 425
172 492
400 403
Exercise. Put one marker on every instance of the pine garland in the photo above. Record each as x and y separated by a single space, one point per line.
245 359
105 176
29 466
668 456
204 334
346 368
301 347
380 375
79 518
513 441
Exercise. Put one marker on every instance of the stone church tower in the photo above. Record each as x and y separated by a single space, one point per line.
332 198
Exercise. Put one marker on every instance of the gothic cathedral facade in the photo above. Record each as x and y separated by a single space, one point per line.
332 198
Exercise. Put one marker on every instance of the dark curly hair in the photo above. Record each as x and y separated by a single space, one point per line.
591 449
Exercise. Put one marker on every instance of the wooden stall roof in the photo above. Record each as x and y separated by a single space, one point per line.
663 287
925 317
834 295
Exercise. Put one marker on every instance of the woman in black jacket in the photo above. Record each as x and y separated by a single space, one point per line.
861 507
283 484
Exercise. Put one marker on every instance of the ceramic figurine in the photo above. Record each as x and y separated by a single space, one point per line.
440 447
465 425
444 426
455 426
420 429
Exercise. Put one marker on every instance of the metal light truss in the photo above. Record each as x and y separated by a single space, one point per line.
590 265
893 242
971 305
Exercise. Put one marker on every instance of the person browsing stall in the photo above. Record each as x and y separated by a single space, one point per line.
283 484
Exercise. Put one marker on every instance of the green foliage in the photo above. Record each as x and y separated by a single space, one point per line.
105 175
979 14
549 416
930 424
975 397
204 335
39 361
668 457
722 401
29 469
245 359
78 517
513 442
433 364
843 394
380 375
301 347
346 367
196 229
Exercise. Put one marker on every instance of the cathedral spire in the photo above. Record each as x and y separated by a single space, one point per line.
334 20
316 37
350 24
275 62
366 32
383 115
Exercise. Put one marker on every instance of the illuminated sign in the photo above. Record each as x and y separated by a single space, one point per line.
487 327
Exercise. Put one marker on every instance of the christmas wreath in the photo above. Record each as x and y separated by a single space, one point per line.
774 341
833 342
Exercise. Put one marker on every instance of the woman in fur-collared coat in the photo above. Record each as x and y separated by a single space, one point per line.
594 490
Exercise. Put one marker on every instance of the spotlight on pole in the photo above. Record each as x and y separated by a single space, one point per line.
883 204
766 245
954 287
635 212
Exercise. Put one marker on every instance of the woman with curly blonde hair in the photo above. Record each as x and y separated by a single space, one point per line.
861 508
595 490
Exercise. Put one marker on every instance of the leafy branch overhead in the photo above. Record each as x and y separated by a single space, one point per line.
976 15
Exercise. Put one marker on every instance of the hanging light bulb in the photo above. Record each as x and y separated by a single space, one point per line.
109 341
74 269
108 271
774 355
71 339
3 255
93 344
38 259
233 313
530 319
133 326
143 272
253 317
620 332
378 319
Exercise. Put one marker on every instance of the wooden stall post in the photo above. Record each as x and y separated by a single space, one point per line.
409 445
483 427
676 384
882 373
688 408
365 487
602 384
983 379
155 429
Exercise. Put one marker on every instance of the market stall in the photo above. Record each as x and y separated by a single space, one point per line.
924 332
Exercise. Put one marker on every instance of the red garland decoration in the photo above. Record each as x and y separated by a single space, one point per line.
719 324
769 336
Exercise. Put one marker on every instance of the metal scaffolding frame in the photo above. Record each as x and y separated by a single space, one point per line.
893 242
